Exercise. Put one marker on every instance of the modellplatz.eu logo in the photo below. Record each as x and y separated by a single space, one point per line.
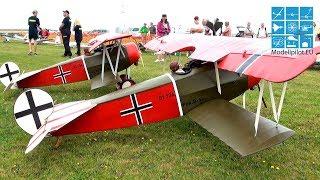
292 27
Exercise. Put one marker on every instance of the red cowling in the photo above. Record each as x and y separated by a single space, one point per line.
133 52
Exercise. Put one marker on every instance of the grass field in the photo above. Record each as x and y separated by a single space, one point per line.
173 149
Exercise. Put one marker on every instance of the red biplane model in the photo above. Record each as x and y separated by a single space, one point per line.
220 69
100 66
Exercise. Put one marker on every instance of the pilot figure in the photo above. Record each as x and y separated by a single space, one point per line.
66 33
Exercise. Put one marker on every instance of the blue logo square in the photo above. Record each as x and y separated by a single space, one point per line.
306 13
292 41
306 41
292 27
292 13
306 27
277 13
277 27
278 41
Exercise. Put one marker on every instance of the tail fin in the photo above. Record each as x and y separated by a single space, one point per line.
36 114
62 115
8 72
32 108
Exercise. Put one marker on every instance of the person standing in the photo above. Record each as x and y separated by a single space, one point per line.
214 27
34 25
78 35
248 32
163 29
66 33
196 27
227 30
144 32
262 31
163 26
152 30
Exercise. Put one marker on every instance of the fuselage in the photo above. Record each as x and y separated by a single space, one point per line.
81 68
159 99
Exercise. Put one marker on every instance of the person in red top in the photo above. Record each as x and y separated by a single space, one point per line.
227 30
163 29
163 26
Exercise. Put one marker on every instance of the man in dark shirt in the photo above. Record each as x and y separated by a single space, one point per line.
152 30
65 29
214 27
34 24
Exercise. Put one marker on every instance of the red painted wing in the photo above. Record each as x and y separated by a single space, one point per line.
242 55
97 41
150 106
271 68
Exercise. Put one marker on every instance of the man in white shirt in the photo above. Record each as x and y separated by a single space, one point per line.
197 27
248 32
262 31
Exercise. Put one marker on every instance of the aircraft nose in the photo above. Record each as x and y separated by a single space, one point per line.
133 52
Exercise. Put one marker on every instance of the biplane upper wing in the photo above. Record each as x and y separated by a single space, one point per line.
97 41
248 56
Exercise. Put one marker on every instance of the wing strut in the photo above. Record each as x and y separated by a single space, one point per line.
217 76
274 110
103 62
244 100
256 122
114 68
276 114
284 89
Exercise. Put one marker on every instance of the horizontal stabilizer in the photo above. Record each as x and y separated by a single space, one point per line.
62 115
235 126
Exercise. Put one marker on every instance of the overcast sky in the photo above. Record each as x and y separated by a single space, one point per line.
104 14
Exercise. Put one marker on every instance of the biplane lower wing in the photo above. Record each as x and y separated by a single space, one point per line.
233 125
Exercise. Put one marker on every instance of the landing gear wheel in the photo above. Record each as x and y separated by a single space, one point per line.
125 82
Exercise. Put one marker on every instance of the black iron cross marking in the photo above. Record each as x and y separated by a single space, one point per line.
136 109
9 73
34 110
62 75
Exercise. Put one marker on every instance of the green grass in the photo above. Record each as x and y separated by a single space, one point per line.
174 149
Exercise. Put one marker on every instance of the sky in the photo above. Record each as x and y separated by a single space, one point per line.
103 14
